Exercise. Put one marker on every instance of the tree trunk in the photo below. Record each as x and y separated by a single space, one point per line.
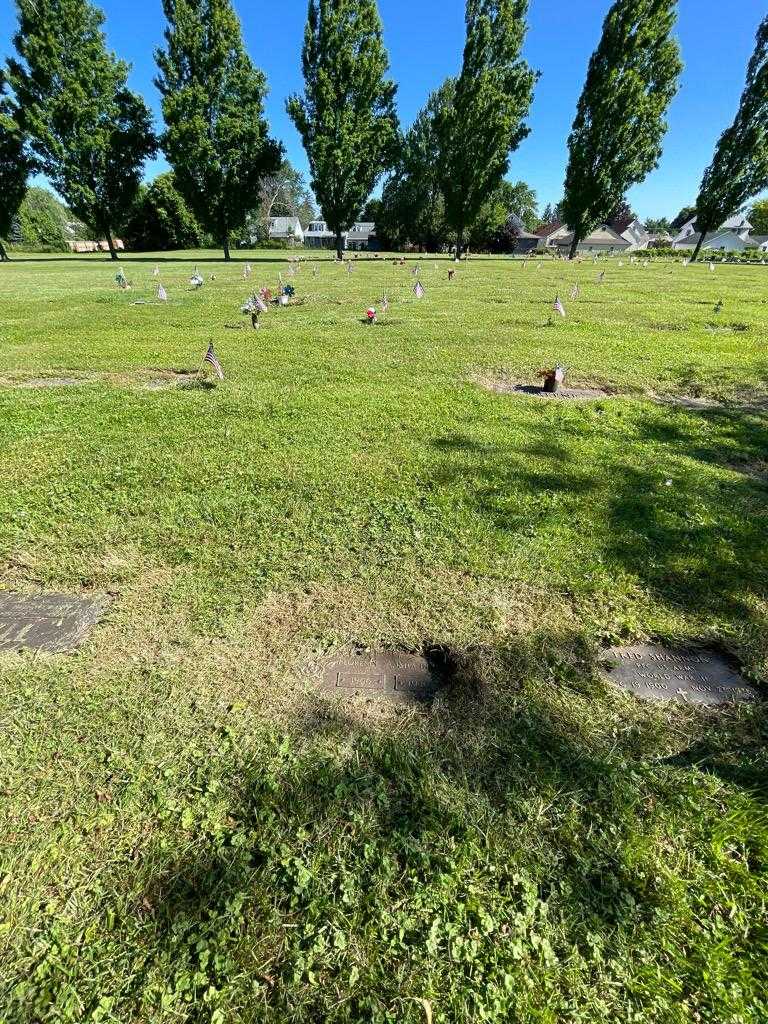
459 243
4 257
225 243
574 245
111 244
339 246
699 244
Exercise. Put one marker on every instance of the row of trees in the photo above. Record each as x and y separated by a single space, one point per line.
70 114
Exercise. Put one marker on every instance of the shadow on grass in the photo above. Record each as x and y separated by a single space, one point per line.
512 813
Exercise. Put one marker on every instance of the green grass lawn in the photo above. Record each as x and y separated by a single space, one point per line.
191 834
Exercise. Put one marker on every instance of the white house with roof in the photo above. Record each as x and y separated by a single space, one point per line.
637 236
602 240
733 235
361 236
286 229
549 234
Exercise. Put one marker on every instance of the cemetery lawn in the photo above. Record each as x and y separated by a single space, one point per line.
191 834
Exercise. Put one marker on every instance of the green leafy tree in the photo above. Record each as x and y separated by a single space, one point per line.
658 226
686 213
216 136
43 223
739 169
16 164
346 117
484 124
509 208
758 217
88 131
161 219
413 208
620 120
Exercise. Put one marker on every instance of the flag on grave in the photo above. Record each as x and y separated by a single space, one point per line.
558 307
418 291
259 304
601 278
156 271
120 278
210 358
575 292
384 304
162 294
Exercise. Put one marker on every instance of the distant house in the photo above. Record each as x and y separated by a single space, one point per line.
733 235
761 241
637 236
286 229
548 234
361 236
522 241
602 239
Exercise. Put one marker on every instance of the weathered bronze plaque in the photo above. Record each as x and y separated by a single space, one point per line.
47 622
406 678
692 676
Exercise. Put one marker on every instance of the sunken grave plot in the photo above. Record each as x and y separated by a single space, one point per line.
685 675
53 623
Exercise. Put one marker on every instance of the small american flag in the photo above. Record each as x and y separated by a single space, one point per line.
210 358
259 303
162 294
558 307
156 271
384 304
418 291
575 292
601 278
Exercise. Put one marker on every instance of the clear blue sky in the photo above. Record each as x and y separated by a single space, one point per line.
425 41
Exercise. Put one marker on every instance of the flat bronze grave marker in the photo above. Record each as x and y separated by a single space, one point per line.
403 678
692 676
53 623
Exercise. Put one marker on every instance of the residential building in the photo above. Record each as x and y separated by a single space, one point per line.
286 229
602 240
733 235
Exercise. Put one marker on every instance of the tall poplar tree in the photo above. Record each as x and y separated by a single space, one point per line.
739 169
413 208
16 164
90 133
620 121
346 117
491 99
216 138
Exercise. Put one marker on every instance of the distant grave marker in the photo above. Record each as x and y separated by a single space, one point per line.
688 676
47 622
392 675
574 394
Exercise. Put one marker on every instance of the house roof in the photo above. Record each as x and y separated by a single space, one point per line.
366 227
736 223
547 229
604 235
284 223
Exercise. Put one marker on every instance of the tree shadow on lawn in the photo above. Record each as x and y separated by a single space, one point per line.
378 824
682 540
